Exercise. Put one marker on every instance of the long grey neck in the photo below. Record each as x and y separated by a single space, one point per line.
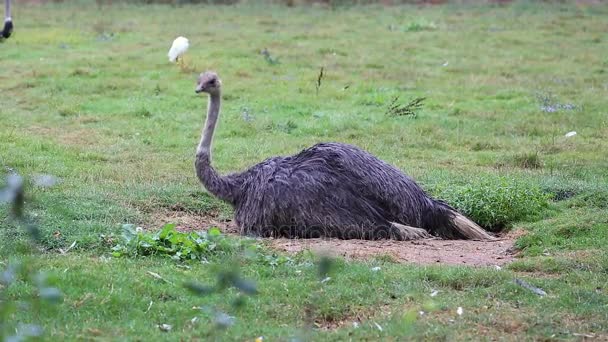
223 187
7 10
213 112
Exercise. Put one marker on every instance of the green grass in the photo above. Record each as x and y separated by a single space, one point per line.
92 100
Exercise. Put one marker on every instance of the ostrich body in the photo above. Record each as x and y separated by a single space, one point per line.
327 190
8 21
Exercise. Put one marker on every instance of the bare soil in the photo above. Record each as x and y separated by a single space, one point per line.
425 252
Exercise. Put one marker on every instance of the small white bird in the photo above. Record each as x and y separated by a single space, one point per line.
570 134
179 47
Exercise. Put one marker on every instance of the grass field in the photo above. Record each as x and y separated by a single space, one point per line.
87 95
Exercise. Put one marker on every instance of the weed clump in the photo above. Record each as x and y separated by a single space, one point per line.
169 242
496 202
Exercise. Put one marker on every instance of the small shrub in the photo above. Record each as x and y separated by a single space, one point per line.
496 202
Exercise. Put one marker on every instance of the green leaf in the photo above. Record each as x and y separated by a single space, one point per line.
214 232
128 232
167 230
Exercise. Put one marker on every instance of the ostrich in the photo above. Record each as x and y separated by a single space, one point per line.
8 21
327 190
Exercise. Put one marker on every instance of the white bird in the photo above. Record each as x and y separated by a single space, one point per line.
570 134
179 47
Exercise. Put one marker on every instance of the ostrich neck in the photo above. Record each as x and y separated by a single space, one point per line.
7 9
213 112
221 187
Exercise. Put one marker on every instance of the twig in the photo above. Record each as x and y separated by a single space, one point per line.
62 251
534 289
319 79
149 306
158 276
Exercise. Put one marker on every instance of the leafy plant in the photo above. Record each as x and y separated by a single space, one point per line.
420 25
170 242
496 202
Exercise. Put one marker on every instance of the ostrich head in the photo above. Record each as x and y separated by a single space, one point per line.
208 82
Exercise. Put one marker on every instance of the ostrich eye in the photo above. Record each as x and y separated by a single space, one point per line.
212 83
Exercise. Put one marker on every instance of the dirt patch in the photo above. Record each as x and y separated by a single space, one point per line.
450 252
425 252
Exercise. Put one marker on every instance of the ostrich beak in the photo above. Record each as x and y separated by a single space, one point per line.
199 89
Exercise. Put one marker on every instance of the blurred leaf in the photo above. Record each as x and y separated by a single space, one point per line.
45 180
214 232
239 302
409 318
325 265
51 294
199 289
33 231
246 286
9 275
223 320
